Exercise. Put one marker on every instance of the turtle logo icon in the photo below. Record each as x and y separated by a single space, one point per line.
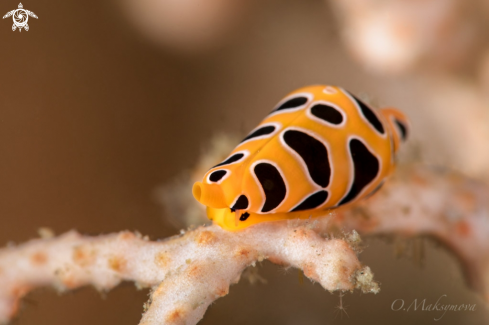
20 17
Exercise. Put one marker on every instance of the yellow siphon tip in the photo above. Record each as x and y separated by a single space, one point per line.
210 195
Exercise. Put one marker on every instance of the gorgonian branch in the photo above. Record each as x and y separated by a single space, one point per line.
187 272
431 201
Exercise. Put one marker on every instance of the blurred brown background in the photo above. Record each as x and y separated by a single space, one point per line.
95 114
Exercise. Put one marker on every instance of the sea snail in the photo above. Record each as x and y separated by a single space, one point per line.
320 148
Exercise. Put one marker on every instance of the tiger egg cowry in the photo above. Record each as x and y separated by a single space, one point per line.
320 148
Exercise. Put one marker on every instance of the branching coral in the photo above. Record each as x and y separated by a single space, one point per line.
187 272
185 25
395 36
436 202
190 271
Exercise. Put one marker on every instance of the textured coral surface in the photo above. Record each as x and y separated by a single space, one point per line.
187 272
190 271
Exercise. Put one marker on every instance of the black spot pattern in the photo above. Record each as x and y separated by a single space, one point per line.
314 154
259 132
241 203
230 160
369 115
273 185
365 169
327 113
292 103
217 175
244 216
402 127
312 201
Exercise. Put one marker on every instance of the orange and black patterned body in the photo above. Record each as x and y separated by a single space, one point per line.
319 149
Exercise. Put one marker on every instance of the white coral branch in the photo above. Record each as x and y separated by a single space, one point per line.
191 271
431 201
187 272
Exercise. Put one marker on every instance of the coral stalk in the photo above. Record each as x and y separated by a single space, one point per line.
187 272
434 202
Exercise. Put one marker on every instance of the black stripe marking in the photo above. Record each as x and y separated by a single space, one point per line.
314 154
241 203
292 103
365 169
259 132
217 175
369 114
402 127
327 113
230 160
244 216
312 201
273 185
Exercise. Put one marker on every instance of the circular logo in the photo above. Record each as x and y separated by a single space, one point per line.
20 17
